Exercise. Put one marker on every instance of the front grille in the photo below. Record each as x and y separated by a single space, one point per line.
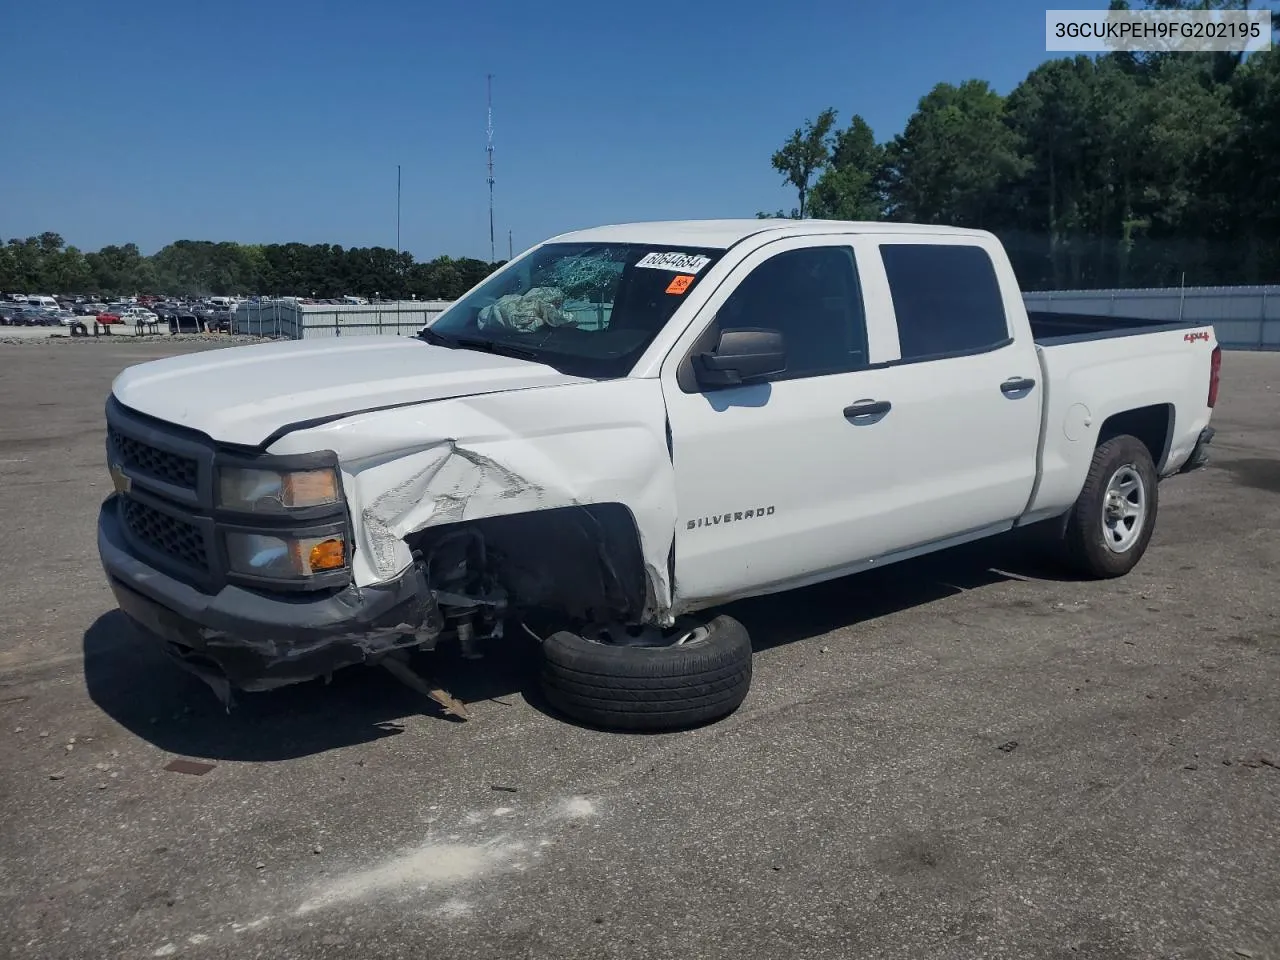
170 467
176 538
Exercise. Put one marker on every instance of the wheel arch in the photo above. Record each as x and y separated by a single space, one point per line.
1151 425
585 562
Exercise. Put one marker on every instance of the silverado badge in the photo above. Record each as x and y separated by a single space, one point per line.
118 477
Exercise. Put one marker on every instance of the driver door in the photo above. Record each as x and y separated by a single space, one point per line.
777 481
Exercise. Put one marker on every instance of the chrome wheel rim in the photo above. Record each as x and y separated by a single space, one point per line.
1124 509
617 635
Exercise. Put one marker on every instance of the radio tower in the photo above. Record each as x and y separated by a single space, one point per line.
489 150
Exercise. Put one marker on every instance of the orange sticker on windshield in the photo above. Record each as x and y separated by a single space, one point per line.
680 284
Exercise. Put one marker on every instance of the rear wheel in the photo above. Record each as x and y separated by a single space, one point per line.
643 680
1110 526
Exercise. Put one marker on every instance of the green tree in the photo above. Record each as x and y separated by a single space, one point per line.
1250 205
851 186
955 159
805 152
1080 124
66 271
23 265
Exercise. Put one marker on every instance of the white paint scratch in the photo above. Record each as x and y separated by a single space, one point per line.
453 909
429 866
577 808
251 925
437 866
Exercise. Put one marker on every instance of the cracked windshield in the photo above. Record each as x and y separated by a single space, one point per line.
588 307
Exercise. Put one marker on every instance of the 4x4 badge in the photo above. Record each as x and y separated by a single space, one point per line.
118 477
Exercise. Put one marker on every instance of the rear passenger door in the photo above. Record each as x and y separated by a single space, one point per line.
964 390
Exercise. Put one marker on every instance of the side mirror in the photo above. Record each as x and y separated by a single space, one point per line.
742 355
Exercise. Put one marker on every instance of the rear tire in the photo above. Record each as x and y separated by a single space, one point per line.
621 687
1110 526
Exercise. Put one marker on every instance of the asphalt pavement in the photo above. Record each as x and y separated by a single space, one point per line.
963 756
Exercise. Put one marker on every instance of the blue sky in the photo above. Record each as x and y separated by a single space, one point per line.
277 120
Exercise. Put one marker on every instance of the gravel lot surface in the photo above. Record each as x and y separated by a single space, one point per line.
964 756
122 336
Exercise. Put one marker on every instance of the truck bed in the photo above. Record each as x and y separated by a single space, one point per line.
1048 328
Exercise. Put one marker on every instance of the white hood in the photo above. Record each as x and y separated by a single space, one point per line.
244 394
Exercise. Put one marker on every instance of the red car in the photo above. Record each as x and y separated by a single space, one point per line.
109 317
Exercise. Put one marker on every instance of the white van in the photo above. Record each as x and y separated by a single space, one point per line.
42 301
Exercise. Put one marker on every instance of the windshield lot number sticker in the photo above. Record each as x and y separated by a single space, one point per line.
676 262
680 284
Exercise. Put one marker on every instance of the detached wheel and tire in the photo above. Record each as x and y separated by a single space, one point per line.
1110 526
649 682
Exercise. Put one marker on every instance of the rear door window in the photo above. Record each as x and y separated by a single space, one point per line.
946 299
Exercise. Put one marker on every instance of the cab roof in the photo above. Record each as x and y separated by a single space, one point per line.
722 234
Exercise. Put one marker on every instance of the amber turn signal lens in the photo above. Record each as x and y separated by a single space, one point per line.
307 488
328 554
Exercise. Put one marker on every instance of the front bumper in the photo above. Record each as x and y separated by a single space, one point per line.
256 640
1200 452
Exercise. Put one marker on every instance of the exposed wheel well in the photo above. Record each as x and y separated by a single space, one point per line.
1151 425
583 562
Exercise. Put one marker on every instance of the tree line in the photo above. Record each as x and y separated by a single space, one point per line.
45 264
1124 169
1117 170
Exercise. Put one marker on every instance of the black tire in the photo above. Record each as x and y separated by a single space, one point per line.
649 688
1085 539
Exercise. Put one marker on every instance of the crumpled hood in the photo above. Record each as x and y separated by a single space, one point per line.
244 394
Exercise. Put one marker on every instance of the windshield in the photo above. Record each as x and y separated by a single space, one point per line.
585 308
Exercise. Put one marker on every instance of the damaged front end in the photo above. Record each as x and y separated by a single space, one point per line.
467 580
239 638
392 538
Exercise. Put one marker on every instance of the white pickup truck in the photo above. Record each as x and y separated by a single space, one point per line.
623 427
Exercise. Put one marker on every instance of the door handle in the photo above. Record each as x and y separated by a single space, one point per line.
867 411
1017 385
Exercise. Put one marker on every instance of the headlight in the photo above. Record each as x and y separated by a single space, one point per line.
253 490
281 557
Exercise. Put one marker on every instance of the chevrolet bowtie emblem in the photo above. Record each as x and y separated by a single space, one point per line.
122 482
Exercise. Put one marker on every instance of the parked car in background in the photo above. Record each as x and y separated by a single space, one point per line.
136 315
108 316
65 317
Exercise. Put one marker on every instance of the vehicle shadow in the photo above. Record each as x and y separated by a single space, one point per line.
130 677
133 681
813 611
